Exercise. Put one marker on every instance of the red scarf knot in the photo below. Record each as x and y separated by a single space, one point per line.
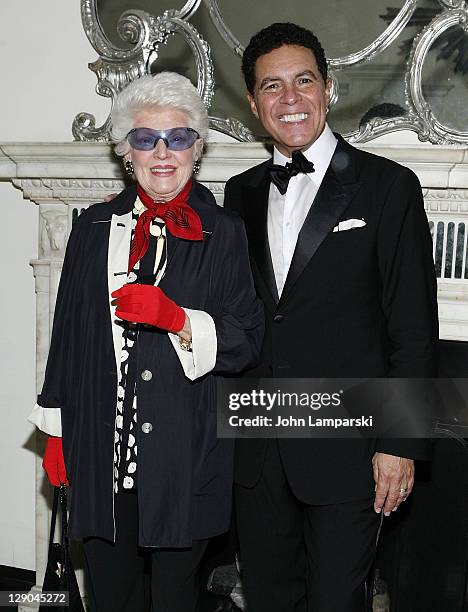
180 219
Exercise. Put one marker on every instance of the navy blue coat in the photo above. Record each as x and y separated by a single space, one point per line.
184 472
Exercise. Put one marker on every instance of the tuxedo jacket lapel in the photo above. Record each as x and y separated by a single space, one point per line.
257 229
338 188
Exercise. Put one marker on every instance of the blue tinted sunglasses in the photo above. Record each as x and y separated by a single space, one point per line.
175 139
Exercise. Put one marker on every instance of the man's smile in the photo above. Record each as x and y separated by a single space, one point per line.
295 118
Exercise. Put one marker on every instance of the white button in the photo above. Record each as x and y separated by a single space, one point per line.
146 375
146 428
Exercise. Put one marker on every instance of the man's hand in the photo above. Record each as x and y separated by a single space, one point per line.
394 480
148 304
53 462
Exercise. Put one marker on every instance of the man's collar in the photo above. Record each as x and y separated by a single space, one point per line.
320 152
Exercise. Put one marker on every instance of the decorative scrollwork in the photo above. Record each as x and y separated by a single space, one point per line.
364 55
378 126
99 40
146 33
453 4
223 30
381 42
170 23
232 128
116 67
433 129
189 9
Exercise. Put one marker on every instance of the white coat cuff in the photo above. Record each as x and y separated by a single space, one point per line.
47 420
202 359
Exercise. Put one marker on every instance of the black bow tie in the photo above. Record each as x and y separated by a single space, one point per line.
280 175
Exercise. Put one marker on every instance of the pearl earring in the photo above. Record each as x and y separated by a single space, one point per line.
129 169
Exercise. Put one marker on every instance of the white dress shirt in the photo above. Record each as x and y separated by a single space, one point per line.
287 213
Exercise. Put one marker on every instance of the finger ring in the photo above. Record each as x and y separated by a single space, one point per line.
403 490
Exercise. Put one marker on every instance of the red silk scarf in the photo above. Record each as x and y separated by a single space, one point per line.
180 219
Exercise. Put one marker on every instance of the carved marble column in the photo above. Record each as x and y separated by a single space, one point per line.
61 178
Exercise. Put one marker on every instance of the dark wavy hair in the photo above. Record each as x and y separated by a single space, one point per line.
274 37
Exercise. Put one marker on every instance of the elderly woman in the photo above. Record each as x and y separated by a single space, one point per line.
156 297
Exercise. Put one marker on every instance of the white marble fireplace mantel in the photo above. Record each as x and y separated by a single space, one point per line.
63 177
60 177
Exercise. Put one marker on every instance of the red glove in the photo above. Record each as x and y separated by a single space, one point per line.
148 304
53 462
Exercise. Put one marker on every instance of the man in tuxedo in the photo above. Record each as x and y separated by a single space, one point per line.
342 258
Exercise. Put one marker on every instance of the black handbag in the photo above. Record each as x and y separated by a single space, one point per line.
59 574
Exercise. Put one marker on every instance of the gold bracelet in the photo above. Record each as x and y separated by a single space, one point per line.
185 345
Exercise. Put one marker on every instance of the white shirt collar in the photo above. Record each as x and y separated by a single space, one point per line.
320 153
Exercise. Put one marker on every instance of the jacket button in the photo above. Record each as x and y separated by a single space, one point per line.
146 428
146 375
279 318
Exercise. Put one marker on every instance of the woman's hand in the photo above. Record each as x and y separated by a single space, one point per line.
54 463
148 304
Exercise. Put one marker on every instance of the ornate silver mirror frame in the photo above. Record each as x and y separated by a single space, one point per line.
146 33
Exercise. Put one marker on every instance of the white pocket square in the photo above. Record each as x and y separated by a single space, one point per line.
349 224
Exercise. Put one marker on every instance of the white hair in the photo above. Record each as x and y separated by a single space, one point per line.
150 92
